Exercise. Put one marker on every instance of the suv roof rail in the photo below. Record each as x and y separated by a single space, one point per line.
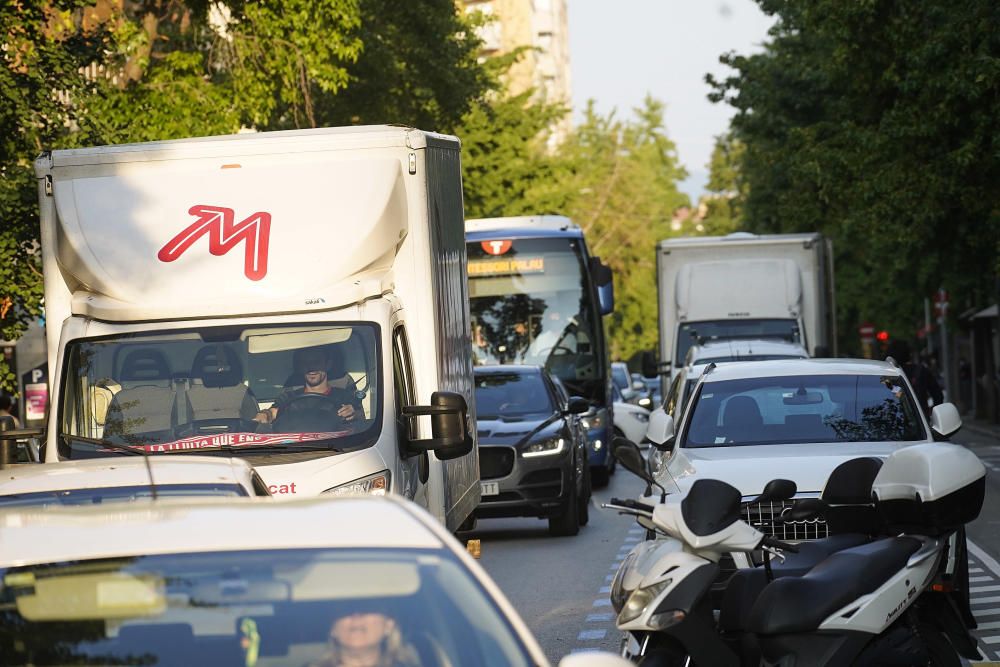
892 361
708 369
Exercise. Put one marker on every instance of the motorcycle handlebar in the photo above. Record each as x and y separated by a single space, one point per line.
769 541
632 504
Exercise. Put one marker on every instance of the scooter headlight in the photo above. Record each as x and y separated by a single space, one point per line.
618 593
641 599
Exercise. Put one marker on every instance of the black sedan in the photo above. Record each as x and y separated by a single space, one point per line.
532 448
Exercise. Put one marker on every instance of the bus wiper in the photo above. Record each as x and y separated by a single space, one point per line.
125 449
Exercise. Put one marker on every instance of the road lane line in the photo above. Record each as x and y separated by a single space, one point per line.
992 640
994 625
989 600
596 635
984 558
604 602
983 589
979 580
600 618
607 589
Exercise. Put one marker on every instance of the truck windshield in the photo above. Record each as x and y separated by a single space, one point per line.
689 333
223 389
267 608
533 304
803 409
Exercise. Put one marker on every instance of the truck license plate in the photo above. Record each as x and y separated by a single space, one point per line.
491 488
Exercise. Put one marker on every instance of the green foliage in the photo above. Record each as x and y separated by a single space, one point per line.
727 189
42 55
875 123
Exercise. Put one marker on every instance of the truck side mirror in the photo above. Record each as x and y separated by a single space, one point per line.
450 430
577 405
649 368
603 278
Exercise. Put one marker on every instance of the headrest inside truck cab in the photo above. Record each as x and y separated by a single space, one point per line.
145 364
217 366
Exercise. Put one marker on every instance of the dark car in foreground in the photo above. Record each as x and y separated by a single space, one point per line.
532 448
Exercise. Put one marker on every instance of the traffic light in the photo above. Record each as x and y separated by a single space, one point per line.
882 336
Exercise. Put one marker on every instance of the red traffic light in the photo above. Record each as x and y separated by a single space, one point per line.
882 336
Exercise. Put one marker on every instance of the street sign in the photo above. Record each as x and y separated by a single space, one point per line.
867 332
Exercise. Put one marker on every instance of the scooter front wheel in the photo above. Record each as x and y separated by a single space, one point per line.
664 652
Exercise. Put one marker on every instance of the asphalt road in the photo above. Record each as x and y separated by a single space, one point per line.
560 584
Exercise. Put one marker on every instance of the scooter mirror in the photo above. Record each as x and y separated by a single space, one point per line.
627 453
778 489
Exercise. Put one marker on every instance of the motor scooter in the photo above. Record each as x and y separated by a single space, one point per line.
873 604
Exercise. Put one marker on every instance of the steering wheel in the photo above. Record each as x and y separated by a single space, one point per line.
309 412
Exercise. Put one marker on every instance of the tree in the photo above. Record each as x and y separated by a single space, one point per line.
39 84
874 123
727 189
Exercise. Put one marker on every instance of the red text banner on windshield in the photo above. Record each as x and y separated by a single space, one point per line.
236 440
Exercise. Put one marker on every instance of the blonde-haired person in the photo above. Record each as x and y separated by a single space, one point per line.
367 639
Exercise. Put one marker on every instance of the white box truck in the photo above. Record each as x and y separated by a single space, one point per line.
297 299
745 286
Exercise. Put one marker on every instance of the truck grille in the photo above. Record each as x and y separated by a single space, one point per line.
495 462
766 517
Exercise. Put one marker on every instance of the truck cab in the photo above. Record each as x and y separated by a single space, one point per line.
296 299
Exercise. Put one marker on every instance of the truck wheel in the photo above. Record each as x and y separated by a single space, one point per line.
584 509
567 523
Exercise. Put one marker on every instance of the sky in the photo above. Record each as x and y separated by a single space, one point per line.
620 50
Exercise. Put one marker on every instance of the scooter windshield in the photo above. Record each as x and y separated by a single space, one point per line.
224 388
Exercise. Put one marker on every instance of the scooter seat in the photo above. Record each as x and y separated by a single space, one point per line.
746 584
801 604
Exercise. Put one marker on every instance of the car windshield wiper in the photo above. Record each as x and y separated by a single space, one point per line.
99 442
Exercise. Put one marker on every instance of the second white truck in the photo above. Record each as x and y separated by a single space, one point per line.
297 299
745 286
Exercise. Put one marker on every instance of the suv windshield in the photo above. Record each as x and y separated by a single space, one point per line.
220 388
511 395
262 608
802 409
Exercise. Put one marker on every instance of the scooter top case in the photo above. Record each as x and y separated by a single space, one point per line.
930 489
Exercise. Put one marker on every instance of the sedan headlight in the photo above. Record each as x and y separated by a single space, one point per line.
640 599
372 485
546 447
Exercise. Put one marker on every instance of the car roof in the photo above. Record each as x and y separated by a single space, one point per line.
521 227
513 369
57 534
117 471
748 346
791 367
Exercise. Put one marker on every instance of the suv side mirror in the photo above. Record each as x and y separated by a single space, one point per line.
577 405
945 421
660 431
450 430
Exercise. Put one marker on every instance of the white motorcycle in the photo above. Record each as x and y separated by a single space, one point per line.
883 601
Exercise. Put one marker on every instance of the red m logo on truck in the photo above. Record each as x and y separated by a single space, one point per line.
224 233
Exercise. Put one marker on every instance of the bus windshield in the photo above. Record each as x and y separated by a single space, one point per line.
533 304
306 386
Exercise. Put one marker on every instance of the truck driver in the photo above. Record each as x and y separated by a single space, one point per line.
313 366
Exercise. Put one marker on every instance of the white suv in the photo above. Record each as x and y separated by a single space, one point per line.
748 423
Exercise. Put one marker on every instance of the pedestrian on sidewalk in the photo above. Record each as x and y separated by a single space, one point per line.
921 378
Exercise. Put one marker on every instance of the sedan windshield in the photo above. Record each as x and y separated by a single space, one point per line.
803 409
221 388
511 395
259 608
117 494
